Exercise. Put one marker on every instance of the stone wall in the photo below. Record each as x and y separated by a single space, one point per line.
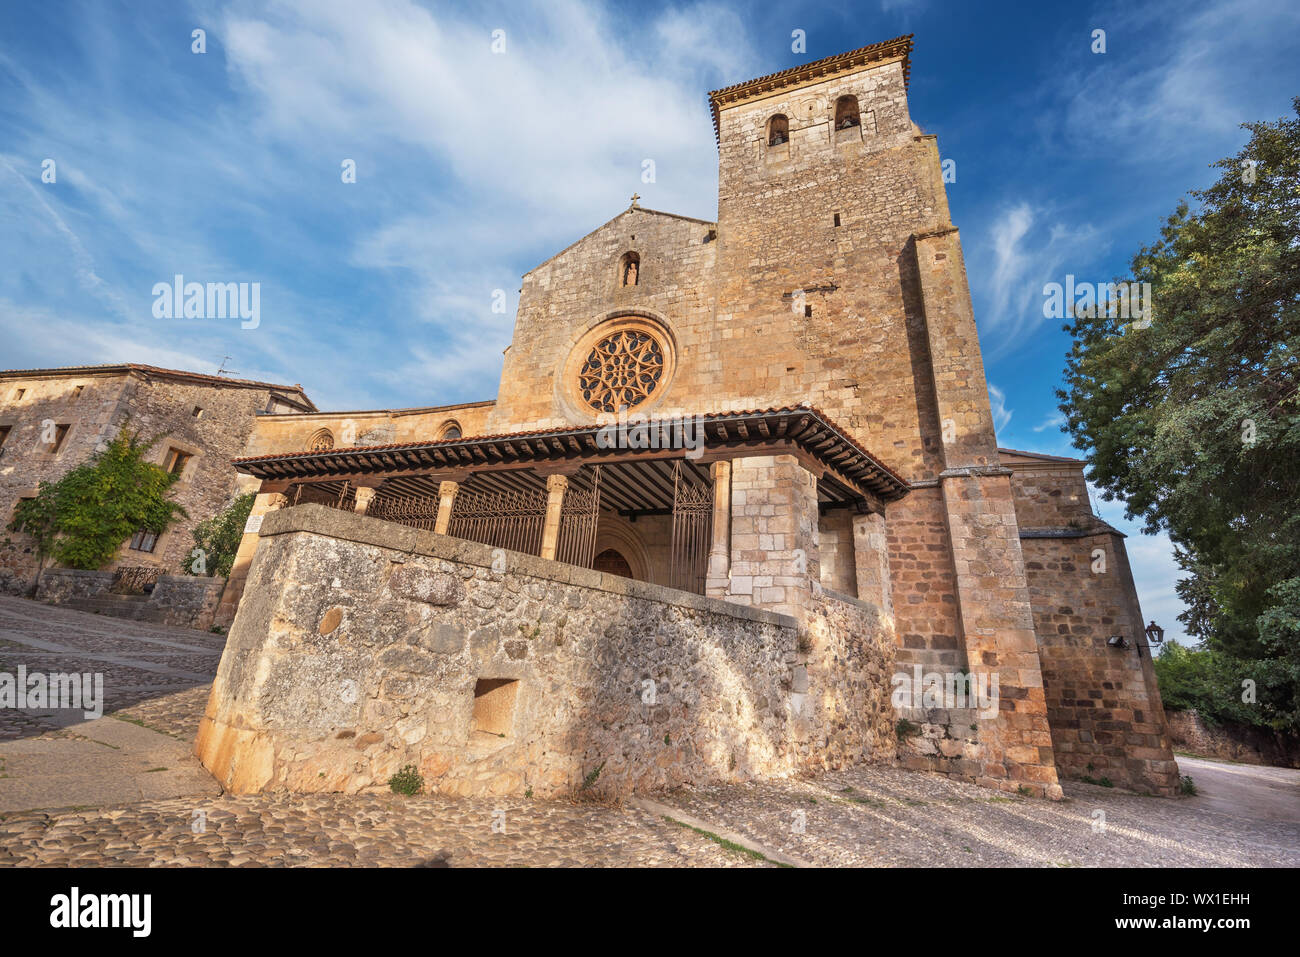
360 645
294 433
774 552
1103 704
182 601
186 601
1188 731
835 551
205 417
58 586
580 287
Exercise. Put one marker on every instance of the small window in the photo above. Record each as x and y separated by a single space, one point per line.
4 434
18 396
176 461
76 393
60 433
494 706
837 219
778 130
450 430
322 440
630 269
807 311
846 113
197 413
144 541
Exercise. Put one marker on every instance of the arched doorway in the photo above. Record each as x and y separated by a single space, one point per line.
611 560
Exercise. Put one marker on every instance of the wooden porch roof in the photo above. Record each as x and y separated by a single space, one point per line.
839 462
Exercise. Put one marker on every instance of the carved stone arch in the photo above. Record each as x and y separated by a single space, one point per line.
847 113
450 430
321 440
778 129
629 270
615 532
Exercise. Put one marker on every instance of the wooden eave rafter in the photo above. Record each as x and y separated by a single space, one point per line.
822 446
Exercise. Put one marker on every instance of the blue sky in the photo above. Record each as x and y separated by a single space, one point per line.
472 167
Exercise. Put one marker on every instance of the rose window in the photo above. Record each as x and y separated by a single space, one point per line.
621 371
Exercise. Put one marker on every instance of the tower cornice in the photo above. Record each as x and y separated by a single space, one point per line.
899 48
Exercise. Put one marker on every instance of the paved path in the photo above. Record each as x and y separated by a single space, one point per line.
1244 790
123 790
155 681
886 817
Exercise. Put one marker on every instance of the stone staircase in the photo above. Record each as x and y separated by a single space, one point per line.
133 607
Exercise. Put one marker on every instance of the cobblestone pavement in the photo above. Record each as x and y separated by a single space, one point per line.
150 669
157 679
886 817
366 830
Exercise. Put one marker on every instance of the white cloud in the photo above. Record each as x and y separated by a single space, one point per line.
83 261
1173 98
1053 421
28 330
557 125
1028 249
998 402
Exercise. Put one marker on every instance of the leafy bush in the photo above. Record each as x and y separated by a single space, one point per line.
1192 418
218 538
1213 684
905 729
407 781
82 519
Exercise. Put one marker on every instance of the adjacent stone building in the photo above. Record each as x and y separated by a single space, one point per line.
777 426
52 420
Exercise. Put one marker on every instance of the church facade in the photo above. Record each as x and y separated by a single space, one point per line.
773 429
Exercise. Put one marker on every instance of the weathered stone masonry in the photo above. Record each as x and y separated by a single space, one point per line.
359 648
833 282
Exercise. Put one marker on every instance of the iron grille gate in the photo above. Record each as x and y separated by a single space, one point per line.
417 511
134 579
692 533
504 519
507 519
578 518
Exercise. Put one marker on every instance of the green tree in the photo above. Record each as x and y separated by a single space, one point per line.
216 539
1194 420
82 519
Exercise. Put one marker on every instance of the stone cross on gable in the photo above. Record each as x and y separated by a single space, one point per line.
635 197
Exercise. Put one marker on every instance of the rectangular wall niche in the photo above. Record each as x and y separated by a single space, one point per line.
494 706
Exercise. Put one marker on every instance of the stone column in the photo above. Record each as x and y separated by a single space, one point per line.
719 575
871 561
555 488
364 498
446 499
230 595
992 590
775 562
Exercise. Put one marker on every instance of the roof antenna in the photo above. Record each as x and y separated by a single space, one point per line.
223 370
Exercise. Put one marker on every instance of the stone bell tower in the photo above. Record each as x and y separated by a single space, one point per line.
840 276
